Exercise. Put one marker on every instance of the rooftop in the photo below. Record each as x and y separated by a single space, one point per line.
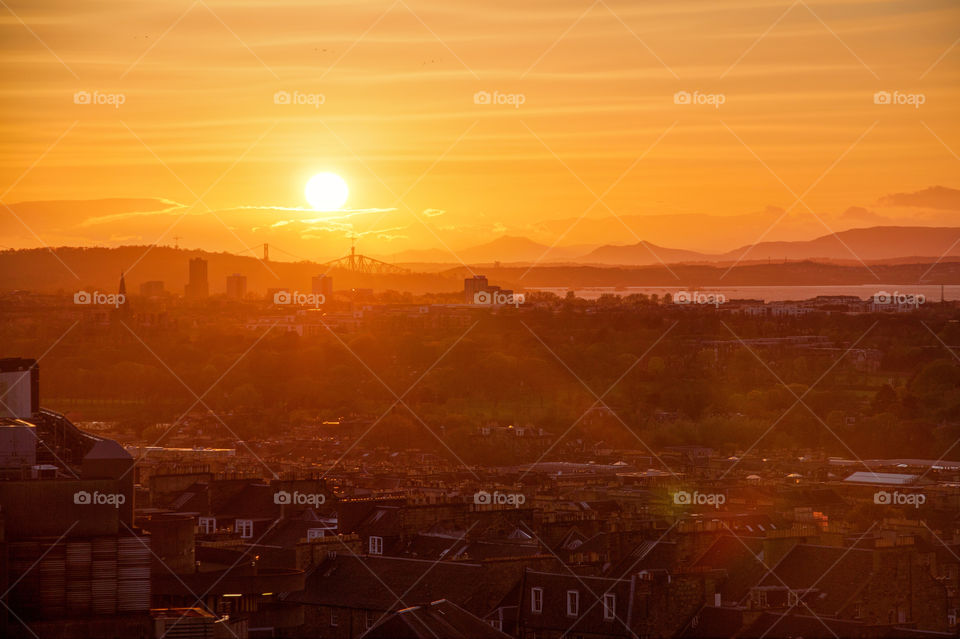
864 477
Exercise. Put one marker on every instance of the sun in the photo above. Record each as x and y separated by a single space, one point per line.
326 192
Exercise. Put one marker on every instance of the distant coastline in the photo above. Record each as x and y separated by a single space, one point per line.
951 292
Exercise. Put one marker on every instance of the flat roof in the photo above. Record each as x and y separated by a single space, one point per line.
865 477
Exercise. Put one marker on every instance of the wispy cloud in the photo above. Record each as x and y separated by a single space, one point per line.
934 197
173 208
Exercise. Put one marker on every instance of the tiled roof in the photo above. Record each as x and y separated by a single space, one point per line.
828 570
375 583
437 619
778 626
714 623
253 501
647 555
738 557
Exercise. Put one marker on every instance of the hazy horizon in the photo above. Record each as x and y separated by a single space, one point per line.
574 125
366 319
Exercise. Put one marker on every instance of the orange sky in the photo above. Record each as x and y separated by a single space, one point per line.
199 126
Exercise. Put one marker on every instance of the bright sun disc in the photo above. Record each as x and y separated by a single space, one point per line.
326 191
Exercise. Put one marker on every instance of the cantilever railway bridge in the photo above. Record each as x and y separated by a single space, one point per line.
352 263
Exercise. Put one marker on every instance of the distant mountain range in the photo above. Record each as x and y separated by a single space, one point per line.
870 244
873 244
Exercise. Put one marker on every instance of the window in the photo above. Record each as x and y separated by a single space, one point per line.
370 618
536 600
793 599
573 603
207 525
375 545
609 606
245 528
314 533
334 618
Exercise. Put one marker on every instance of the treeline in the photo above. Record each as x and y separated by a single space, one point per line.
668 377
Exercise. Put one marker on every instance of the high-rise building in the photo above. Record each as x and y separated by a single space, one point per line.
236 286
198 286
472 286
323 284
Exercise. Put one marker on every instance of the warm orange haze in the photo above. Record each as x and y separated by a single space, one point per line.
419 319
191 117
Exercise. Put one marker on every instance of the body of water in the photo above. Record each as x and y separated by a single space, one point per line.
773 293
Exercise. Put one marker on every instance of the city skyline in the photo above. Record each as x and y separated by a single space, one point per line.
585 319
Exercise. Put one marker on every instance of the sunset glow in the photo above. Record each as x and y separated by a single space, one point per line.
326 192
508 119
367 319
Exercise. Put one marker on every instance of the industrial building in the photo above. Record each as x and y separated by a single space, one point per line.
71 561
